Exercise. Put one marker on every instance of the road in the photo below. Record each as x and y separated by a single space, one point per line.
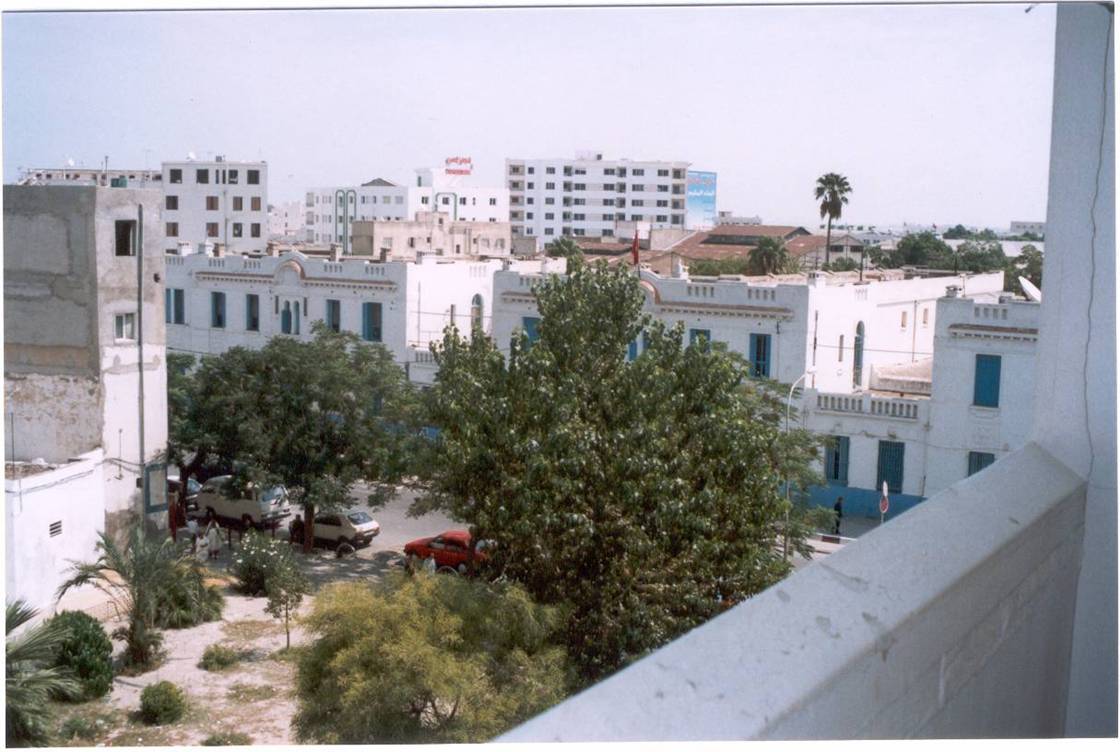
397 528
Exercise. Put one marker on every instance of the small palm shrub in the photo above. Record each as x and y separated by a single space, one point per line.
87 652
29 678
258 559
217 657
162 703
187 600
227 739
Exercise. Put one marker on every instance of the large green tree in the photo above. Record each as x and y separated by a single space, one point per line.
922 249
563 247
426 659
645 494
769 257
832 191
980 256
1027 264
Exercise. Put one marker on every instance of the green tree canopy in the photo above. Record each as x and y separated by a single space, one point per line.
769 257
426 659
921 249
980 256
644 494
1027 264
563 247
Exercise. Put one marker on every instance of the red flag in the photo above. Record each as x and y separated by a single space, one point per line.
634 249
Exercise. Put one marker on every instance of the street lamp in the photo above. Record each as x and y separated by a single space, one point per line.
789 405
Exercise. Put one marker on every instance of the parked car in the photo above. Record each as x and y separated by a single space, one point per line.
193 487
449 549
266 508
335 528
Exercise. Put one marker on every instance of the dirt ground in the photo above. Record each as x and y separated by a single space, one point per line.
256 696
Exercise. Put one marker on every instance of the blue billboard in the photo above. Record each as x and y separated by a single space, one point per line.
701 208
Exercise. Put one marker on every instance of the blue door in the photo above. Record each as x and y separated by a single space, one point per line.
891 455
759 351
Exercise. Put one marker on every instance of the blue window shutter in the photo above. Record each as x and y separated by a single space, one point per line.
759 352
842 449
695 335
977 461
167 305
632 351
985 391
891 455
371 322
286 319
177 298
218 310
836 461
530 324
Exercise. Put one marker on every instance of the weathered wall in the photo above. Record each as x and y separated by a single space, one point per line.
55 417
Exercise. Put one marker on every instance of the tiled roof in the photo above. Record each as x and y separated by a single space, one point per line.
757 231
379 183
804 244
604 246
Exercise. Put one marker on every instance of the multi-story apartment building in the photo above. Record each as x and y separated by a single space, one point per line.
216 201
217 302
592 197
331 211
84 374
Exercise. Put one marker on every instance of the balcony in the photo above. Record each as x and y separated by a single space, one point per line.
954 620
867 404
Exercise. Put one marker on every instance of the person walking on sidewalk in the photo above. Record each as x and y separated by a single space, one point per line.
838 507
214 539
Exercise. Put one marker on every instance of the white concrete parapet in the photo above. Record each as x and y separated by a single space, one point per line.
953 621
867 404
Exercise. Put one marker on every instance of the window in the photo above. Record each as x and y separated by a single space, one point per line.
175 176
531 324
236 229
255 230
840 347
172 230
637 186
925 317
286 318
55 528
371 322
857 356
531 170
549 170
549 215
530 186
171 203
759 355
637 172
238 203
124 325
175 306
334 315
445 201
424 199
211 203
636 217
661 203
550 186
476 312
608 171
662 218
904 319
662 173
836 461
985 387
202 176
548 231
254 177
662 189
233 176
400 199
252 313
529 200
528 215
218 310
637 202
295 326
977 461
125 231
700 337
891 455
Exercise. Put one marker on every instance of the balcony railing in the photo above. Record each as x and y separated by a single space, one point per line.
867 404
954 620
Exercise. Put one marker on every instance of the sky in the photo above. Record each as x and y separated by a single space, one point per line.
936 114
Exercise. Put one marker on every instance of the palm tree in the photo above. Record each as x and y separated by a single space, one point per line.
832 191
770 257
30 676
138 579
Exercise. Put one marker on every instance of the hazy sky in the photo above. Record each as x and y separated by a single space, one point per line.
934 113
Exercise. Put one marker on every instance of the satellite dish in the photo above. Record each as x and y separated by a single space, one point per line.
69 161
190 155
1032 292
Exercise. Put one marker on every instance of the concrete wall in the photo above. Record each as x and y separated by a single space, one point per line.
35 563
953 621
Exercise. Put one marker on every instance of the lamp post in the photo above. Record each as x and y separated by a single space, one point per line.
789 405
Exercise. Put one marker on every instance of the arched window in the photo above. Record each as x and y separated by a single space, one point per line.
286 318
857 356
476 312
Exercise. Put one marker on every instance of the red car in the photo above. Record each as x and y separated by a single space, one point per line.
449 549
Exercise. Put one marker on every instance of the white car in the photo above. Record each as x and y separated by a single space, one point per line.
356 528
266 508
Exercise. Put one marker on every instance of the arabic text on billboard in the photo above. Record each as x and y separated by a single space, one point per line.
701 211
457 166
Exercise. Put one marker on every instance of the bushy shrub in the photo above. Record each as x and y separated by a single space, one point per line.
162 703
227 739
454 660
87 652
187 600
258 559
216 657
80 727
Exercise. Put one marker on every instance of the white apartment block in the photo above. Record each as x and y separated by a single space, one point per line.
285 221
592 197
213 303
216 201
331 211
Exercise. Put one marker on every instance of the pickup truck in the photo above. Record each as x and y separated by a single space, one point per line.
265 508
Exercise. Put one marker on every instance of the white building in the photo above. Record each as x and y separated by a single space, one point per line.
430 232
214 303
1022 228
286 222
331 211
84 373
589 196
102 176
216 201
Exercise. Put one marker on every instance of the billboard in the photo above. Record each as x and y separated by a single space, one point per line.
700 211
457 166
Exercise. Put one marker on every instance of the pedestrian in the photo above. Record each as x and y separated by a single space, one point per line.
214 539
192 530
838 507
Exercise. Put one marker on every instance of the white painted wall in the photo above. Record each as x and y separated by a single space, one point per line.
35 563
192 216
